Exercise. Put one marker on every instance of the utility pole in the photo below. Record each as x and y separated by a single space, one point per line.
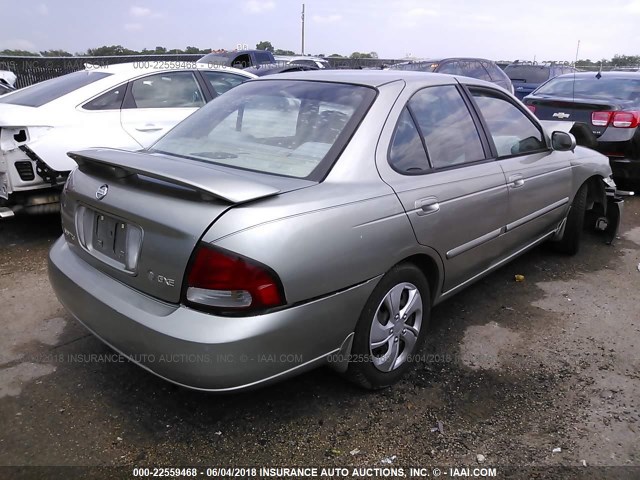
303 29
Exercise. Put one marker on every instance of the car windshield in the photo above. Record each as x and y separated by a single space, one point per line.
591 87
49 90
428 66
527 73
290 128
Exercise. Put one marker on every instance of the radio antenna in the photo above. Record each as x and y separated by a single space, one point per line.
575 65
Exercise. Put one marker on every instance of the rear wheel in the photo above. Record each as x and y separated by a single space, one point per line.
391 328
570 242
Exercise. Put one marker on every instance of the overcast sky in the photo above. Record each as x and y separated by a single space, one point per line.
496 29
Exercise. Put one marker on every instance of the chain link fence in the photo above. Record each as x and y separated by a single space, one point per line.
30 70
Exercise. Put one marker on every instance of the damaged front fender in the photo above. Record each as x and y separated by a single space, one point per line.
614 204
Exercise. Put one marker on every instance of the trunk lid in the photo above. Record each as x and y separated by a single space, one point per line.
138 216
578 110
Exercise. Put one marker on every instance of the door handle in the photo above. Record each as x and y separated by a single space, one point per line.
516 180
428 205
148 128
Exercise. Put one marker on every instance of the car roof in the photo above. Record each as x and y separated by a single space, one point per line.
443 59
614 74
374 78
149 66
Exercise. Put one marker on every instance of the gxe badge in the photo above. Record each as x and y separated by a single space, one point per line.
102 192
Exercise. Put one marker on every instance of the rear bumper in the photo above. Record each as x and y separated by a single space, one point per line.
625 169
198 350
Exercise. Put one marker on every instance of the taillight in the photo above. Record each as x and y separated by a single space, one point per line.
226 281
625 119
616 119
532 108
600 119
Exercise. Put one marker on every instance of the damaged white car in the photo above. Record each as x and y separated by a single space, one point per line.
127 106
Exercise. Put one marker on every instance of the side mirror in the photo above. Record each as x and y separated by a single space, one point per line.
563 141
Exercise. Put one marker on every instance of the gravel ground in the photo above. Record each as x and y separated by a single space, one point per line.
511 371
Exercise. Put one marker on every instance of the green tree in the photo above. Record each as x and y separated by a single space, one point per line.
336 55
56 53
361 55
105 51
18 53
283 52
264 45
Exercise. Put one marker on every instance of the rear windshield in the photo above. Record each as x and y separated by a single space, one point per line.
527 73
49 90
289 128
591 87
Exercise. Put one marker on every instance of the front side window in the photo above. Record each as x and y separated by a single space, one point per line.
167 90
449 132
512 131
290 128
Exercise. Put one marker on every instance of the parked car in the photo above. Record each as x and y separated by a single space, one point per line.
238 59
467 67
4 88
314 218
526 77
125 106
8 78
602 110
273 69
314 62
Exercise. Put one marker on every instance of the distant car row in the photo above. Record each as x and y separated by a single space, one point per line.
133 107
122 106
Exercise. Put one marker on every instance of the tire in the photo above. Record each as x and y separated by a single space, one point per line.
570 242
383 348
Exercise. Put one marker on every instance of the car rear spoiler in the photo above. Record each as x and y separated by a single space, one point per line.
192 174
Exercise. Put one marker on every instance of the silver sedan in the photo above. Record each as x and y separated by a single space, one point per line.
315 218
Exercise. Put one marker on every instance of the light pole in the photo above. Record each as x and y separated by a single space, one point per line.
302 29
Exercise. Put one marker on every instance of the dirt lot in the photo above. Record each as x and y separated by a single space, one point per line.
512 370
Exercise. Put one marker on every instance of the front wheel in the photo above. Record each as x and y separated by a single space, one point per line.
570 242
391 328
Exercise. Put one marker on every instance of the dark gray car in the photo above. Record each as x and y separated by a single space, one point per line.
314 218
480 68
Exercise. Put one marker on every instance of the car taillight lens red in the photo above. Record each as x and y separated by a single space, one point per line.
625 119
532 108
616 119
223 280
600 119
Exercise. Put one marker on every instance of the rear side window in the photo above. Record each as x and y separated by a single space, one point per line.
494 71
451 68
49 90
223 81
512 131
449 132
263 58
167 90
407 154
111 100
475 70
